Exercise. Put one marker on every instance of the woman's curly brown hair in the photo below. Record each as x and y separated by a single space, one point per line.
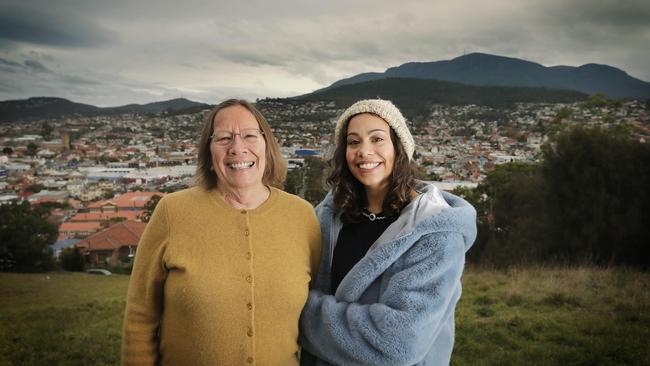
350 195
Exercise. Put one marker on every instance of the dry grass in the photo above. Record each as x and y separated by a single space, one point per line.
61 318
553 316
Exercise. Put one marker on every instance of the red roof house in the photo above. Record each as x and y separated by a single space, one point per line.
131 201
113 244
78 229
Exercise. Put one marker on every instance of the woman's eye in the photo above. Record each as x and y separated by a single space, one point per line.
377 139
352 142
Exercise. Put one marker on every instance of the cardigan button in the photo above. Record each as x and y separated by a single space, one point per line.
249 360
249 279
249 306
246 232
243 212
249 255
250 332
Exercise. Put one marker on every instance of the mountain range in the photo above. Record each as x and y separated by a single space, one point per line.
484 69
414 96
475 78
48 107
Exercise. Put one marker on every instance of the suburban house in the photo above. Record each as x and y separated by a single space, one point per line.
131 201
69 230
110 247
104 216
101 214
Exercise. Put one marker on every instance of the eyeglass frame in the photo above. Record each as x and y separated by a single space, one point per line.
212 140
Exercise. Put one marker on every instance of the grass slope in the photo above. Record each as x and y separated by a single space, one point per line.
579 316
61 318
538 316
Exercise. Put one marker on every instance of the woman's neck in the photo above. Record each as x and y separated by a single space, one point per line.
248 198
376 198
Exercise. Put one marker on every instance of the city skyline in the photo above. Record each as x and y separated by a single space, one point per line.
110 54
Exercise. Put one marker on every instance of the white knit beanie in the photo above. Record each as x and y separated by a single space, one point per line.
388 112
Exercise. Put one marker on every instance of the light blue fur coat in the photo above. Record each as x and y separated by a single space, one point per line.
396 305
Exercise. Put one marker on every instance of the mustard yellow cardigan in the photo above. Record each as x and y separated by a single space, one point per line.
214 285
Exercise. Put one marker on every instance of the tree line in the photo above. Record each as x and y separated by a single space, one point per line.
587 202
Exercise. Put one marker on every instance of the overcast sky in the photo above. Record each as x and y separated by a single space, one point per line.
116 52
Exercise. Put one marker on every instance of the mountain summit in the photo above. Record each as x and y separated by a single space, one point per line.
490 70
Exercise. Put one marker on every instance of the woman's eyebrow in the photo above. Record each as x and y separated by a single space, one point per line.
369 132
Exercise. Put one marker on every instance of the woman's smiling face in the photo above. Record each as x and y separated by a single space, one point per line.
370 153
238 164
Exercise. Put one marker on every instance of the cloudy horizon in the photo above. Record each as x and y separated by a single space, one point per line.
120 52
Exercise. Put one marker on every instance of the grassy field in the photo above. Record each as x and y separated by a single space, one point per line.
536 316
61 318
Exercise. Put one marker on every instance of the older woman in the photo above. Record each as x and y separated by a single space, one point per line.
222 269
393 252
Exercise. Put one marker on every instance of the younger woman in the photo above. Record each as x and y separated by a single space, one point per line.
393 252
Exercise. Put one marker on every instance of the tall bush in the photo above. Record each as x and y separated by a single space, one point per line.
587 202
597 196
25 238
72 260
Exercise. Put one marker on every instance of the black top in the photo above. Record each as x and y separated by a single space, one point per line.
352 244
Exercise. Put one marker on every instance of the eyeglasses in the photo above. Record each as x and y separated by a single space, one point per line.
249 136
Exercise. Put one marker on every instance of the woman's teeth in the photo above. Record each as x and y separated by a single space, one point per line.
368 165
242 165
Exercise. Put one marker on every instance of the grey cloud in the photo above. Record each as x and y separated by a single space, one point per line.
27 66
63 29
36 66
620 14
9 89
78 80
9 63
4 69
250 56
39 55
188 65
211 9
201 48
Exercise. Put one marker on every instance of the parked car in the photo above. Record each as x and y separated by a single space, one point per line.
99 271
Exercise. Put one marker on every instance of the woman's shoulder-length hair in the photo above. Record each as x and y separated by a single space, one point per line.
349 194
275 171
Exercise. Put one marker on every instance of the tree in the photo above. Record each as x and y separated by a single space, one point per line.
34 188
72 260
597 197
25 238
599 100
562 114
46 130
510 219
32 148
314 180
293 184
587 202
108 194
149 207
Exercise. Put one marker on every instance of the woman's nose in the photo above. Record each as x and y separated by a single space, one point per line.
237 143
365 149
